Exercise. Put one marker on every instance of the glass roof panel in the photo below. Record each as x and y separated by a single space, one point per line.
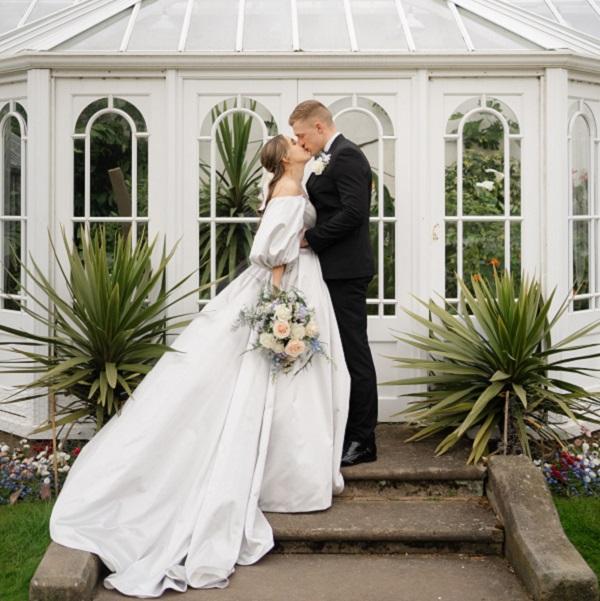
213 25
158 25
488 36
433 26
104 36
267 25
539 7
43 8
11 12
580 15
377 25
322 25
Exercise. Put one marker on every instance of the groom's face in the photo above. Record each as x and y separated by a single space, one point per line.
310 135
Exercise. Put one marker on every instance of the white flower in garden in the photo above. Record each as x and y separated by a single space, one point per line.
298 331
497 174
486 184
283 313
312 329
41 454
46 480
586 447
587 479
537 462
281 329
266 340
64 468
5 448
294 348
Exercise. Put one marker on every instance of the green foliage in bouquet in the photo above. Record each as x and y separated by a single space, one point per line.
104 336
492 363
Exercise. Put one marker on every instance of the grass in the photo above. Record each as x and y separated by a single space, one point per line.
24 535
580 519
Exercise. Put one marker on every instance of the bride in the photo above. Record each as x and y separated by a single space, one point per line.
170 493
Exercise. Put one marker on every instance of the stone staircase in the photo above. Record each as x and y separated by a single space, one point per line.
409 527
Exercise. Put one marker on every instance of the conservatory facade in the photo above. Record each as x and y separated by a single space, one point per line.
480 120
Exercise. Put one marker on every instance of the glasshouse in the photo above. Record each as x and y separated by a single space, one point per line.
479 118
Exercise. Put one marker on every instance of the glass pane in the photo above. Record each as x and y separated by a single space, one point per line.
158 25
389 181
11 252
142 177
19 108
580 15
110 167
379 112
11 12
372 290
238 139
463 109
451 180
4 110
483 248
88 112
389 273
580 166
515 252
515 177
322 25
581 257
506 112
79 177
213 25
12 167
483 165
432 25
112 230
377 25
267 25
233 243
485 35
451 264
132 111
43 8
107 35
539 7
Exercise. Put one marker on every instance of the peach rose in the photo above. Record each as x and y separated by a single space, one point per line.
281 329
294 348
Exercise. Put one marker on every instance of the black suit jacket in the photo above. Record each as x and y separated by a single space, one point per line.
342 197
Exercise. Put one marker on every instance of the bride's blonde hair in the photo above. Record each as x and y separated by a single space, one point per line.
271 158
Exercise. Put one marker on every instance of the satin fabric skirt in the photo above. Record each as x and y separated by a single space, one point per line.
170 493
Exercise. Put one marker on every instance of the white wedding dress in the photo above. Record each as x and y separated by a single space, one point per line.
170 493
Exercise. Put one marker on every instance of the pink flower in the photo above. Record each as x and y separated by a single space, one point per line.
281 329
294 348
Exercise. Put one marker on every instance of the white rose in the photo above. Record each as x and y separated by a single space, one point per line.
311 328
281 329
294 348
266 340
283 313
278 347
318 166
298 331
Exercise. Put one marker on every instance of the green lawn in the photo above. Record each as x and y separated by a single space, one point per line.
24 535
580 518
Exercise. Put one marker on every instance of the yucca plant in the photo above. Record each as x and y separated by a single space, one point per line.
491 364
104 337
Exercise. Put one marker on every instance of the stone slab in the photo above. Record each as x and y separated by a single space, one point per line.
536 545
361 578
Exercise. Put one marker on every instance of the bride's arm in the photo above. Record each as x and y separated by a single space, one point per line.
277 274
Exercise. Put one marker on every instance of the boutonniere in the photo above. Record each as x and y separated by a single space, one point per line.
320 163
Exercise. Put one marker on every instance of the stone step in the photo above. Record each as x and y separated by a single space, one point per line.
412 468
360 578
409 525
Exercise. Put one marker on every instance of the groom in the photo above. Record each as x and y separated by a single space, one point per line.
340 189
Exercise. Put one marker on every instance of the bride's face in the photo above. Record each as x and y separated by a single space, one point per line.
295 153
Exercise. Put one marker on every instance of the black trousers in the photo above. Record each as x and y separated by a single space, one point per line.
349 298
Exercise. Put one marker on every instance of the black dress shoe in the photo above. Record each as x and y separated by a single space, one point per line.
357 452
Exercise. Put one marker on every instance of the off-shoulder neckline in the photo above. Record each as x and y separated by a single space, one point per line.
288 196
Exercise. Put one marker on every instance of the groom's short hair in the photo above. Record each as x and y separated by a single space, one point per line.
310 109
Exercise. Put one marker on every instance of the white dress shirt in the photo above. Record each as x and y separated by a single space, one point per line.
330 141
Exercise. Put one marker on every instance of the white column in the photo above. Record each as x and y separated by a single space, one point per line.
40 199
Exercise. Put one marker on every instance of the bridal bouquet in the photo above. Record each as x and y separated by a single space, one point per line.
286 329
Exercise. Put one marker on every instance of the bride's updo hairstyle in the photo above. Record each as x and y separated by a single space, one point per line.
271 158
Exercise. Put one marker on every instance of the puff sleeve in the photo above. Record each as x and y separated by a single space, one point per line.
277 240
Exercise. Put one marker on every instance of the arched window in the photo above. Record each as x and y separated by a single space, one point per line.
13 214
583 212
110 169
230 172
483 192
368 125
